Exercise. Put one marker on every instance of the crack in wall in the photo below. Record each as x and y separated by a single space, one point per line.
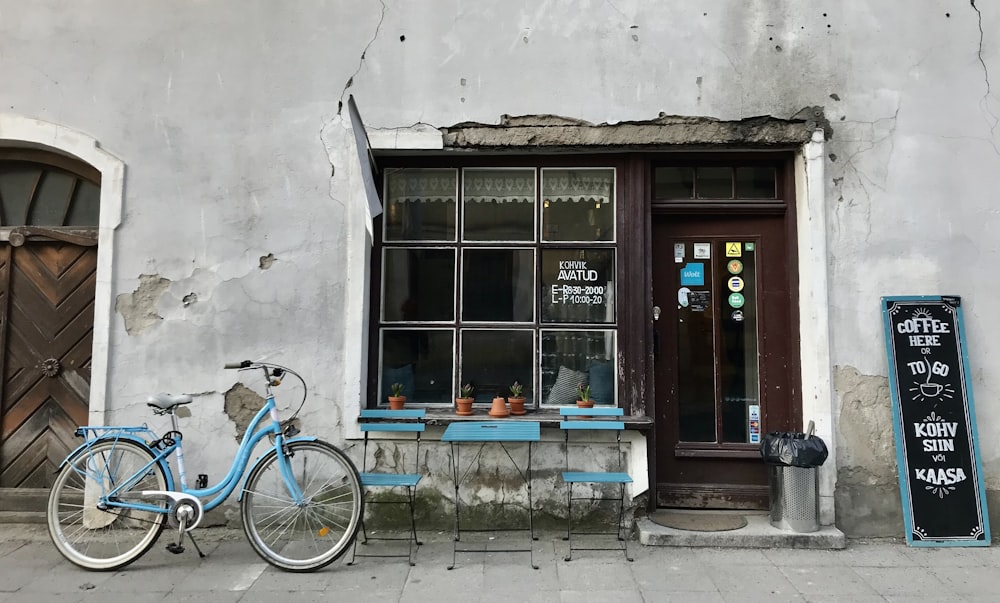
361 61
984 103
863 180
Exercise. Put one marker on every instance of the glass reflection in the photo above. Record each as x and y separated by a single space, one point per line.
418 284
422 360
420 204
493 359
498 204
498 285
574 357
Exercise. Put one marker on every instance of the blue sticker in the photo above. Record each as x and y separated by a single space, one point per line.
693 273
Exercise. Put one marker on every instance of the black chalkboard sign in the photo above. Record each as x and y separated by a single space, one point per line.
940 471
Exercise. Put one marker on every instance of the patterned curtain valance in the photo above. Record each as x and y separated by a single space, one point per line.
596 186
499 186
424 185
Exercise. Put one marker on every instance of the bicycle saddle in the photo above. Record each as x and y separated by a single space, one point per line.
167 401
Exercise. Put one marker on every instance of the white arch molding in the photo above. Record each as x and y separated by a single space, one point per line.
20 131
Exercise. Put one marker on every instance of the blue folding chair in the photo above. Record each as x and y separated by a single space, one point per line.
597 419
391 423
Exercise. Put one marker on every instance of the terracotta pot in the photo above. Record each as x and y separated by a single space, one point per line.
397 402
463 406
516 405
585 403
499 408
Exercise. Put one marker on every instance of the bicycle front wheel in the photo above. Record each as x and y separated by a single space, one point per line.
105 538
310 534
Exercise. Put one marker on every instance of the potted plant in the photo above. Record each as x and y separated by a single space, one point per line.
499 408
583 396
463 403
397 400
516 399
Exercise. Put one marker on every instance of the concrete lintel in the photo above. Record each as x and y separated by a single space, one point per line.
664 131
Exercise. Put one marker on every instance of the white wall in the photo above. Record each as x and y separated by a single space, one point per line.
226 117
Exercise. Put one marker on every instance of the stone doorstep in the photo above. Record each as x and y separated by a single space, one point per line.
758 533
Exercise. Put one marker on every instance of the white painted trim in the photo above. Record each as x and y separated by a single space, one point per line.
25 131
814 310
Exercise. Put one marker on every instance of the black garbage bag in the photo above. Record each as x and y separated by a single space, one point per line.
793 449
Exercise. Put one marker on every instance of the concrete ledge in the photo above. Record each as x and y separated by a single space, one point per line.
758 533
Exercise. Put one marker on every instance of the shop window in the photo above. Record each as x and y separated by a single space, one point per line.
495 275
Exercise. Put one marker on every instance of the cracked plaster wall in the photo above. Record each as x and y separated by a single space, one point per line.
242 197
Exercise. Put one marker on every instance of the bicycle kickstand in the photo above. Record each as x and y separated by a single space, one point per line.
178 547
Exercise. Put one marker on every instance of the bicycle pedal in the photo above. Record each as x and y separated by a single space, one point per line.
175 548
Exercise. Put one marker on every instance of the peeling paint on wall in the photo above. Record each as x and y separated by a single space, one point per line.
242 403
138 308
867 496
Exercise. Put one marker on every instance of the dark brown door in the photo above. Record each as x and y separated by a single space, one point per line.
47 301
726 359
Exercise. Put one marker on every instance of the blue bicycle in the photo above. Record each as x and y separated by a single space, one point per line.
301 502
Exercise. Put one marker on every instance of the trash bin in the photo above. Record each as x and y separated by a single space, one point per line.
792 459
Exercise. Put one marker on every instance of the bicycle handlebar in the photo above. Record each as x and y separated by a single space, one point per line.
272 370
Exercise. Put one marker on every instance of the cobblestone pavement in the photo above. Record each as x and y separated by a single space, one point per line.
32 570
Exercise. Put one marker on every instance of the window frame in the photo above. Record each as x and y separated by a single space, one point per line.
614 162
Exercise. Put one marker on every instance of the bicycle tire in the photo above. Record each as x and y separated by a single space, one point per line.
307 537
104 540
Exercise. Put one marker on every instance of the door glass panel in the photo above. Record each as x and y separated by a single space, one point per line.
717 372
696 343
755 183
715 183
738 367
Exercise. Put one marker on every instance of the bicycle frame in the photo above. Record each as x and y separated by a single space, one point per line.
255 432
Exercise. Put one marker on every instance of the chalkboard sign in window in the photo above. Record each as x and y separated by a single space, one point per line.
940 471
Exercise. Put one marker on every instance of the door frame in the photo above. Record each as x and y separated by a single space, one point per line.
817 394
24 132
735 477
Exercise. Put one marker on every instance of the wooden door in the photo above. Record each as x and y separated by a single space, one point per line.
726 358
47 302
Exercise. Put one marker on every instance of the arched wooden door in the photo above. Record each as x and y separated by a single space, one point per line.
49 207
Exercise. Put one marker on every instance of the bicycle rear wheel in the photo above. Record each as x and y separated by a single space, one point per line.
105 539
307 536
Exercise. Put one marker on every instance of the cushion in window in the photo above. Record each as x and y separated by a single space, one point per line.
602 382
564 390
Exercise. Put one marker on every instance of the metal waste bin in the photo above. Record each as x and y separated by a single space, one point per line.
792 478
794 498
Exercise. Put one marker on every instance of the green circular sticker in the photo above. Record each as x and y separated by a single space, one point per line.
736 300
735 266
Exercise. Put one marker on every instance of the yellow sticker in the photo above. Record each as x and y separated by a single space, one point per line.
734 250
